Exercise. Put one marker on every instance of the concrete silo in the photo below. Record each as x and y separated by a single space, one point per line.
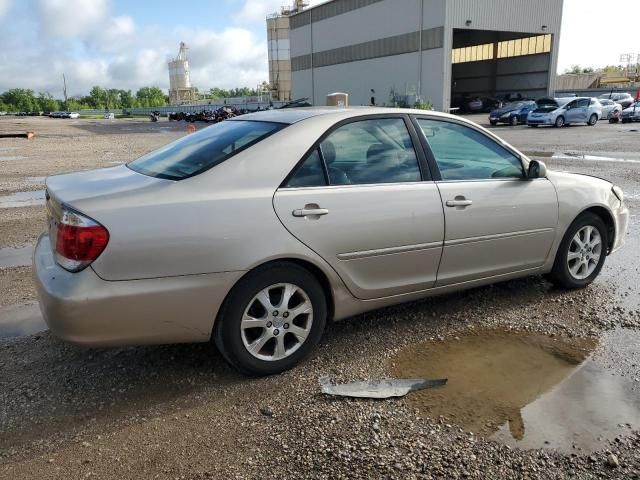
180 89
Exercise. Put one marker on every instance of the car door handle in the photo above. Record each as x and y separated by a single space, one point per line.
459 202
310 212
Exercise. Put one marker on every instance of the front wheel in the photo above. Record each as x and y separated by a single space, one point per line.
581 254
271 320
559 122
593 119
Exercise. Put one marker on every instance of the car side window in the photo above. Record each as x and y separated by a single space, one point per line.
308 174
582 103
369 152
463 153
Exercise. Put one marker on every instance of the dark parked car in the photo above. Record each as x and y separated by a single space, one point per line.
512 113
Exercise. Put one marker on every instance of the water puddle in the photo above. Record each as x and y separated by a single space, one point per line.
22 199
15 257
20 320
527 391
579 156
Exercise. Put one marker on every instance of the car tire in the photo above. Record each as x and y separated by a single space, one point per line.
573 273
233 337
560 122
493 122
593 119
513 121
613 120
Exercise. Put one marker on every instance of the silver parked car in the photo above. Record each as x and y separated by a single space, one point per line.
610 110
631 114
259 230
624 99
558 112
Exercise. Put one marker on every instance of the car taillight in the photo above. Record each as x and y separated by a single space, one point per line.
79 240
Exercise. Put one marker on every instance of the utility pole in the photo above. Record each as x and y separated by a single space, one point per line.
66 102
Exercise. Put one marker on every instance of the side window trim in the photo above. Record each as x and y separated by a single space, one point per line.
426 172
437 176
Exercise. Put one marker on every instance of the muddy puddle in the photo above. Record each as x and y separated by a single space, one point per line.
11 257
21 320
527 391
22 199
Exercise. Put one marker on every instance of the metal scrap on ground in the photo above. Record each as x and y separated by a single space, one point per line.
385 388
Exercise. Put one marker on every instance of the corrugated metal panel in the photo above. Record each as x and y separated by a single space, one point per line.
302 62
506 15
328 10
384 47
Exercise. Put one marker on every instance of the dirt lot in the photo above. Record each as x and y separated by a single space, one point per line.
178 412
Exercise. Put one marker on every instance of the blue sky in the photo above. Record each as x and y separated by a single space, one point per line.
126 43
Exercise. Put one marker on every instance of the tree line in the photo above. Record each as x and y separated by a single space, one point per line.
99 98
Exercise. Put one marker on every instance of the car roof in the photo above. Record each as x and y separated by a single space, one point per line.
294 115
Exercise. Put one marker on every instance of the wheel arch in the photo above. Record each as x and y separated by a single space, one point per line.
312 268
607 217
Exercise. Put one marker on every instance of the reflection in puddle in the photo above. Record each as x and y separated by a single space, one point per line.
15 257
22 199
529 391
20 320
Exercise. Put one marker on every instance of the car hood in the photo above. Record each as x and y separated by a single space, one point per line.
509 109
95 185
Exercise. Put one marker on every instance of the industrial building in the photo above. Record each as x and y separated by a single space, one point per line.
407 51
180 89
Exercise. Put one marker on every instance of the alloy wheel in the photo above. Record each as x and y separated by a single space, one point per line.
584 253
276 322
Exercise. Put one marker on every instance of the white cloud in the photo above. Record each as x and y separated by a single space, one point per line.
255 11
4 7
72 18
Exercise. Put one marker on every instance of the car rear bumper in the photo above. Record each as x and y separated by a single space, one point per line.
84 309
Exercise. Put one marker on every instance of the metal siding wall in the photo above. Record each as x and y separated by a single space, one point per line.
506 15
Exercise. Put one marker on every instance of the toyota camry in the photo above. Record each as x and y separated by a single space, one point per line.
258 231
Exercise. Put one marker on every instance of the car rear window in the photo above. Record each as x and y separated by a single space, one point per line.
204 149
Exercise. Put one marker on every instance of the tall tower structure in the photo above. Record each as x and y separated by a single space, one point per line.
180 89
279 51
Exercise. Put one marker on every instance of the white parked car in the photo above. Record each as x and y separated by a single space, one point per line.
73 115
557 112
610 110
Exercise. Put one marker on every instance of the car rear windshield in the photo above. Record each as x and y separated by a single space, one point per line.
204 149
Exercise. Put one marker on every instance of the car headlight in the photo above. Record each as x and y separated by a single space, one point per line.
617 191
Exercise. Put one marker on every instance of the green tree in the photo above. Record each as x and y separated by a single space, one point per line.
46 102
19 100
151 97
97 97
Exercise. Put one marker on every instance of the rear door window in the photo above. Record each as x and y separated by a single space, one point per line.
370 151
204 149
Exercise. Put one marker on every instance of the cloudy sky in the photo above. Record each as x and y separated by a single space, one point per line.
125 43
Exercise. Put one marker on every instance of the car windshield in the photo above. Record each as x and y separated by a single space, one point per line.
203 150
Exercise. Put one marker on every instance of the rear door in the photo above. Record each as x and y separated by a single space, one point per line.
496 222
579 112
363 200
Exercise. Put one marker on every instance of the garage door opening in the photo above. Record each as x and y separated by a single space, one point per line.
489 66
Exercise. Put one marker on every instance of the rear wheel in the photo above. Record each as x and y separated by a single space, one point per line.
559 122
593 119
271 320
581 254
613 120
513 121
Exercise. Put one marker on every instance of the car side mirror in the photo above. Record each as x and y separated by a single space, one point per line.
537 169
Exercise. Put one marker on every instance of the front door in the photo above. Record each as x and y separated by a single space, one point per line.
363 203
496 222
578 111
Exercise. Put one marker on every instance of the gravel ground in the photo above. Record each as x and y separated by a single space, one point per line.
178 412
